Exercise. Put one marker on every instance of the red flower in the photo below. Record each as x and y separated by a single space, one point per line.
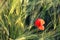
39 24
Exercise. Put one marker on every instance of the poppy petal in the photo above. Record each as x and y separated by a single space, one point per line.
37 23
41 28
42 21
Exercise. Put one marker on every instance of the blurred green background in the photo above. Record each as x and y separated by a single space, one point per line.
17 19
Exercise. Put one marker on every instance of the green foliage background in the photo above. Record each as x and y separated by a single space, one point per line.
13 14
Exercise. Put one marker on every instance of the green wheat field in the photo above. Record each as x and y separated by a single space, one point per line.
17 19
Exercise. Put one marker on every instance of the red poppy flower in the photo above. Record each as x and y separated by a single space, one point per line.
39 24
